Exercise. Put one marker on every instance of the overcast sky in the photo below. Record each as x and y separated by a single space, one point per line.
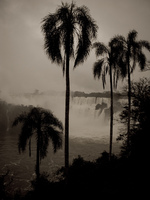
24 65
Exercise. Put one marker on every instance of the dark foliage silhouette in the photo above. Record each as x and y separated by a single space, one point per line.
101 177
132 54
140 126
68 33
45 126
5 185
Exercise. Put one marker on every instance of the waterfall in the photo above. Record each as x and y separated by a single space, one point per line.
93 107
89 116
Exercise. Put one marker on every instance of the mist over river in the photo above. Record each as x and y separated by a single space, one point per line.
89 131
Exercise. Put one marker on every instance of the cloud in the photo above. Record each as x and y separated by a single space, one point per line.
24 66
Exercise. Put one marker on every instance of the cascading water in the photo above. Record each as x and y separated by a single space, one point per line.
87 117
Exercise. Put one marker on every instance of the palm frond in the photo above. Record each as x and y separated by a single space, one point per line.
102 65
117 41
122 67
97 68
33 117
87 31
20 119
56 138
25 134
104 77
100 48
132 35
145 44
84 19
141 60
22 141
83 49
52 37
48 119
100 69
66 27
26 131
51 128
118 49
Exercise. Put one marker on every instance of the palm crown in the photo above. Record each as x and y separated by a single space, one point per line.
132 50
110 57
68 28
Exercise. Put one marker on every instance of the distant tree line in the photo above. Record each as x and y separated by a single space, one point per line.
117 95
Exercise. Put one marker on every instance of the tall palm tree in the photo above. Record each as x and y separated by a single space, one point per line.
132 55
109 61
45 126
68 33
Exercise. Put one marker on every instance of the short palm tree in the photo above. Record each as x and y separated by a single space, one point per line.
132 54
45 126
68 33
109 61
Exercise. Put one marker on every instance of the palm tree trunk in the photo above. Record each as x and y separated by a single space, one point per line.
129 104
67 104
111 114
38 156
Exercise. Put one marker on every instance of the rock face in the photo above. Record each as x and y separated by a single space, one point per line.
101 106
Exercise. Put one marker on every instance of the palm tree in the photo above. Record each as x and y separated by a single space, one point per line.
45 126
68 33
109 61
132 55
